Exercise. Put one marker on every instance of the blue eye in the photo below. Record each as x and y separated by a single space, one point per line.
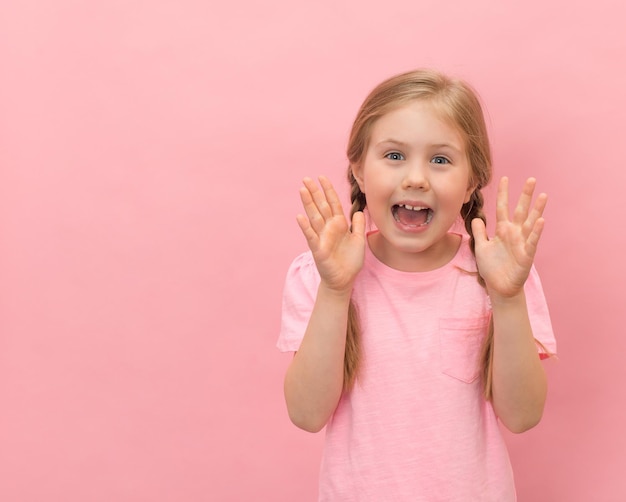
394 156
440 160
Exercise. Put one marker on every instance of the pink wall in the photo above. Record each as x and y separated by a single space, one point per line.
150 155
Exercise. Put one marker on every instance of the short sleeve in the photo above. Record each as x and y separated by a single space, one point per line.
299 295
539 314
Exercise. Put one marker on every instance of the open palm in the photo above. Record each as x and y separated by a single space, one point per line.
338 251
505 260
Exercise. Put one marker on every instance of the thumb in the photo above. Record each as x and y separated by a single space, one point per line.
358 224
479 230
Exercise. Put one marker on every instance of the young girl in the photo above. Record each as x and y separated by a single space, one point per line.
413 340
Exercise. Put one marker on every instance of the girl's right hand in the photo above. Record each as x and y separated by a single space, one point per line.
338 252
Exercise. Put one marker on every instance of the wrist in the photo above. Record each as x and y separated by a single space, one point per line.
515 299
340 293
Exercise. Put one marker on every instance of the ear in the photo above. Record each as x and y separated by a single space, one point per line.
469 192
357 172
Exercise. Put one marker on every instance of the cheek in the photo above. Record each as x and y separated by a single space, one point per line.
468 186
378 185
455 192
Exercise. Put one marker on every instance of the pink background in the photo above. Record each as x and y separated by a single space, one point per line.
151 154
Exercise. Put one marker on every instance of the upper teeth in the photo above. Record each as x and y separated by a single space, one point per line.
412 208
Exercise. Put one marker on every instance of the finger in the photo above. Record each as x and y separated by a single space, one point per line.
319 198
358 224
316 219
523 204
535 214
312 238
502 200
479 231
535 235
331 196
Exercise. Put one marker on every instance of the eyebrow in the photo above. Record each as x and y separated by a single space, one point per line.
446 145
405 145
392 141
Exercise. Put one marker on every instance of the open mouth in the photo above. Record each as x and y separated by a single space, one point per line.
412 216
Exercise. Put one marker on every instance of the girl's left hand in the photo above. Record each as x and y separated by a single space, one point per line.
505 260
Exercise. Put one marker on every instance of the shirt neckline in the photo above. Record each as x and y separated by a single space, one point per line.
380 268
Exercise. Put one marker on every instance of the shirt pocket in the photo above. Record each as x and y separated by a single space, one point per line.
460 342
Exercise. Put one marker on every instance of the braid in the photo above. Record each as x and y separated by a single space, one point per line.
356 196
469 211
352 355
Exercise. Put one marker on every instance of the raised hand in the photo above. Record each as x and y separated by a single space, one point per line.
338 252
505 260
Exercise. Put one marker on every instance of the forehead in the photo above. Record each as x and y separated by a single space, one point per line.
417 121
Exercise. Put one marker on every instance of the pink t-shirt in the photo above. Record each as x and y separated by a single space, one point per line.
415 427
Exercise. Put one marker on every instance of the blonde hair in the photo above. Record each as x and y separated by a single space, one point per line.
458 103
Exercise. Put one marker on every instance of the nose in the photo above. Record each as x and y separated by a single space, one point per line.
416 177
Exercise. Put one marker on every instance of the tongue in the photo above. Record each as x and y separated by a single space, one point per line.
411 217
